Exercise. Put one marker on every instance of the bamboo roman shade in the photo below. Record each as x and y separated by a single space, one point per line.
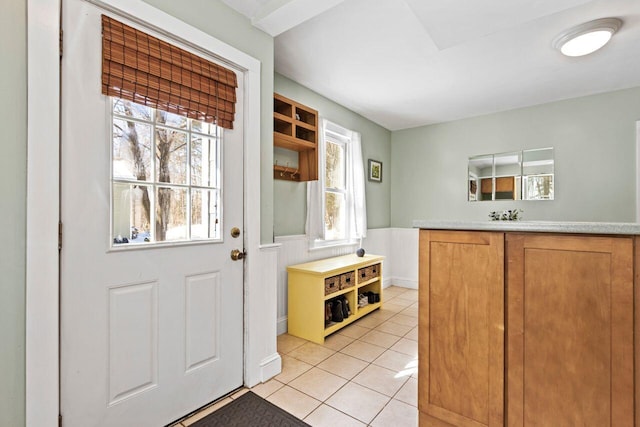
146 70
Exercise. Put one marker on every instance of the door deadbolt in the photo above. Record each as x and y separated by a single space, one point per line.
235 232
236 254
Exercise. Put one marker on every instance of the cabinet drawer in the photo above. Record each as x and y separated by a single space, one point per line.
341 281
368 273
331 284
347 279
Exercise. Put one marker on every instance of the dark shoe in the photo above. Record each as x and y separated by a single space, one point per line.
327 313
371 297
345 308
336 311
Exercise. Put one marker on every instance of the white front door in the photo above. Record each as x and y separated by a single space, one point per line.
149 331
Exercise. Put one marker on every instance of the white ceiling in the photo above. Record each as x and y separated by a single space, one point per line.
407 63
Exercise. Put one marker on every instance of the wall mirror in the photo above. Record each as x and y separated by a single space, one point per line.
517 175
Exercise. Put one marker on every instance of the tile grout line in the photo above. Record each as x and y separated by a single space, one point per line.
387 404
368 363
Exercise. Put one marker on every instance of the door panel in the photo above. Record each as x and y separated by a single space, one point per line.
202 335
133 351
147 334
570 323
462 317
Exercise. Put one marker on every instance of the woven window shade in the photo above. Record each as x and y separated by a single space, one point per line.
146 70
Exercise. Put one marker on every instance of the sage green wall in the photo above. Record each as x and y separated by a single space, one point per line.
13 185
225 24
595 161
290 197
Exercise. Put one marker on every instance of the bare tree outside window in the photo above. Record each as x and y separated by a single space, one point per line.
538 187
169 197
335 191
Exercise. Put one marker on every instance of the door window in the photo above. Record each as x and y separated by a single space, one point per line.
166 173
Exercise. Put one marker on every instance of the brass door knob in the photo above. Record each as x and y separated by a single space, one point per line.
237 254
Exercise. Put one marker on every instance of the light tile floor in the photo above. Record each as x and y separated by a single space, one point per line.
363 375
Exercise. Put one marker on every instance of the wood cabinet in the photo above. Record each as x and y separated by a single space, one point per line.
295 128
566 303
312 284
461 327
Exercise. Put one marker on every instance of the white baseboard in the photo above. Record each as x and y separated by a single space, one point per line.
405 282
270 367
386 283
402 282
282 325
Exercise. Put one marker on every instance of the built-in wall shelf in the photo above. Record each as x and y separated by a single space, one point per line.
295 128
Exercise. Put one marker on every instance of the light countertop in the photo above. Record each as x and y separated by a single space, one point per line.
628 228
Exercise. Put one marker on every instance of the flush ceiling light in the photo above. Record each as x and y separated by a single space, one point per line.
586 38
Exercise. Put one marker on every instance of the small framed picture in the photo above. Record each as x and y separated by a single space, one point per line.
375 171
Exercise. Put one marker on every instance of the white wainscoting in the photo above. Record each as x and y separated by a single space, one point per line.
398 245
404 257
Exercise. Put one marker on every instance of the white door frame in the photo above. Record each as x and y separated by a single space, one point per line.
42 302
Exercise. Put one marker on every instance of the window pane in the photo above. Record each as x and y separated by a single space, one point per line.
335 165
130 109
171 214
335 219
170 119
203 127
204 214
204 158
131 150
131 215
171 156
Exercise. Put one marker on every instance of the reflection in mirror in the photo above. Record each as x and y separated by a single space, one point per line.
481 167
507 174
519 175
537 174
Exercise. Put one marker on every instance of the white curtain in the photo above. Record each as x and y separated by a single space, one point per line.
355 187
356 205
314 226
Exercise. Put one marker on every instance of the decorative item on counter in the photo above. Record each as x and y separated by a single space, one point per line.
360 250
507 215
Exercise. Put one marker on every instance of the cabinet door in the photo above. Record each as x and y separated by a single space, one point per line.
461 328
570 330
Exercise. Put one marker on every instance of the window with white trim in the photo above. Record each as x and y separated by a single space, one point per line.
336 208
165 176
